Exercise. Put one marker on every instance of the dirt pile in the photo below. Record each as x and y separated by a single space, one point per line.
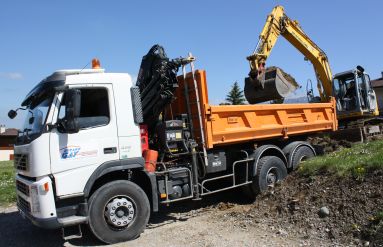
287 76
342 210
325 144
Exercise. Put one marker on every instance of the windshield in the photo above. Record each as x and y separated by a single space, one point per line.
344 86
36 117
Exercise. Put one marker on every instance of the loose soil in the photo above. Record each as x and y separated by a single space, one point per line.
292 208
287 76
325 145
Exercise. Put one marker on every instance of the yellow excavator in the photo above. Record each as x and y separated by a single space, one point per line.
355 98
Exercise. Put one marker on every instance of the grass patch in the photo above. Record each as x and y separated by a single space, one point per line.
379 216
374 230
355 161
7 183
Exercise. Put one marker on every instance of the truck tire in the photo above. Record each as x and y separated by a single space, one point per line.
118 211
270 170
300 154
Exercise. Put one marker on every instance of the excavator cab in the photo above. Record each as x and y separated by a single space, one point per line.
354 94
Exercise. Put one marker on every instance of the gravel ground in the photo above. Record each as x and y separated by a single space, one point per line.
286 215
205 223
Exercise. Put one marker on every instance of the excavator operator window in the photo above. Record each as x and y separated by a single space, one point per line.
337 92
362 91
345 92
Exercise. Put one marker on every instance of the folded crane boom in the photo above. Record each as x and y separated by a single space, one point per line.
157 82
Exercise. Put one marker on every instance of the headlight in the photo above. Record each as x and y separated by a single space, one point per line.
35 204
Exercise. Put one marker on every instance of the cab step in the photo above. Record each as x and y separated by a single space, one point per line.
72 226
71 232
72 220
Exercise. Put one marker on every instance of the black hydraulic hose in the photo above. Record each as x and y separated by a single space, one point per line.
202 167
193 152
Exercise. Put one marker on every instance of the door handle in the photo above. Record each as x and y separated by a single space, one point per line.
110 150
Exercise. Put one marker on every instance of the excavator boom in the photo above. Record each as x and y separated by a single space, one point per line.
355 98
262 84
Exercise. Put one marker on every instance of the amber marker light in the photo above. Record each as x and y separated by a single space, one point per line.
46 187
96 63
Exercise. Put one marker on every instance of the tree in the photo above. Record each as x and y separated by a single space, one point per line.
235 96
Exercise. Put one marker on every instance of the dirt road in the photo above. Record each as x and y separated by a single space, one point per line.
204 223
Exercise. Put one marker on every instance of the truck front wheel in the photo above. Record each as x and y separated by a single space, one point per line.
118 211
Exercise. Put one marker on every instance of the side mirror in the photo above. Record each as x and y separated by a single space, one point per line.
31 120
72 110
12 114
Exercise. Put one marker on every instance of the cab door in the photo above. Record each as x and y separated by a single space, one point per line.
371 96
75 156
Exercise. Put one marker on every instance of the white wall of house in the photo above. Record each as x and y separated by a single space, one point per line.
379 95
5 154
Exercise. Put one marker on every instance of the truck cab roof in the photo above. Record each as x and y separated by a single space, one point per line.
61 78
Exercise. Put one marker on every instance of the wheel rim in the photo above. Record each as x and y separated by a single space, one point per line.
271 176
120 211
303 158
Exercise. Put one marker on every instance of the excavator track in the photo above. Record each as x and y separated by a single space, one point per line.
360 130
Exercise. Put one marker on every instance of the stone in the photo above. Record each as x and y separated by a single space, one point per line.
323 212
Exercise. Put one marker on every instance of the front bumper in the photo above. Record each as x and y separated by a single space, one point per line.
48 223
35 201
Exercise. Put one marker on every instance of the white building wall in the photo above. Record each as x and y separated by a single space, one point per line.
4 154
379 96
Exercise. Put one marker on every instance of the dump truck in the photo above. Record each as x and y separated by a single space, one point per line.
356 100
98 149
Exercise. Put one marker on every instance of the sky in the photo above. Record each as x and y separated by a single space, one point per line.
39 37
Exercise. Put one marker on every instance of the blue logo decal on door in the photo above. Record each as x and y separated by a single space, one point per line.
69 152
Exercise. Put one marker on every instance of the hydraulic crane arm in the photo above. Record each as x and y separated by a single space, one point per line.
277 24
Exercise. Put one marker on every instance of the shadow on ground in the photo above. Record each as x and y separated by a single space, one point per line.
18 232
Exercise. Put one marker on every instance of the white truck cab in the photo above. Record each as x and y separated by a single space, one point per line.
58 166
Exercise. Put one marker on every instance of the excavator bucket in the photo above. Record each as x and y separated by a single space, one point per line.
270 85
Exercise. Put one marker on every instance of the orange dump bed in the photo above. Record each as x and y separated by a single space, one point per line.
228 124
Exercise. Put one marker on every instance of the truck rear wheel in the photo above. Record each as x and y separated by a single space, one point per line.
301 153
118 211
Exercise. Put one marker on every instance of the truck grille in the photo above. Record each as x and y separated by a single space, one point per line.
21 162
23 188
24 205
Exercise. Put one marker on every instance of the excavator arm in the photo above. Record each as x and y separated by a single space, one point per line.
277 24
